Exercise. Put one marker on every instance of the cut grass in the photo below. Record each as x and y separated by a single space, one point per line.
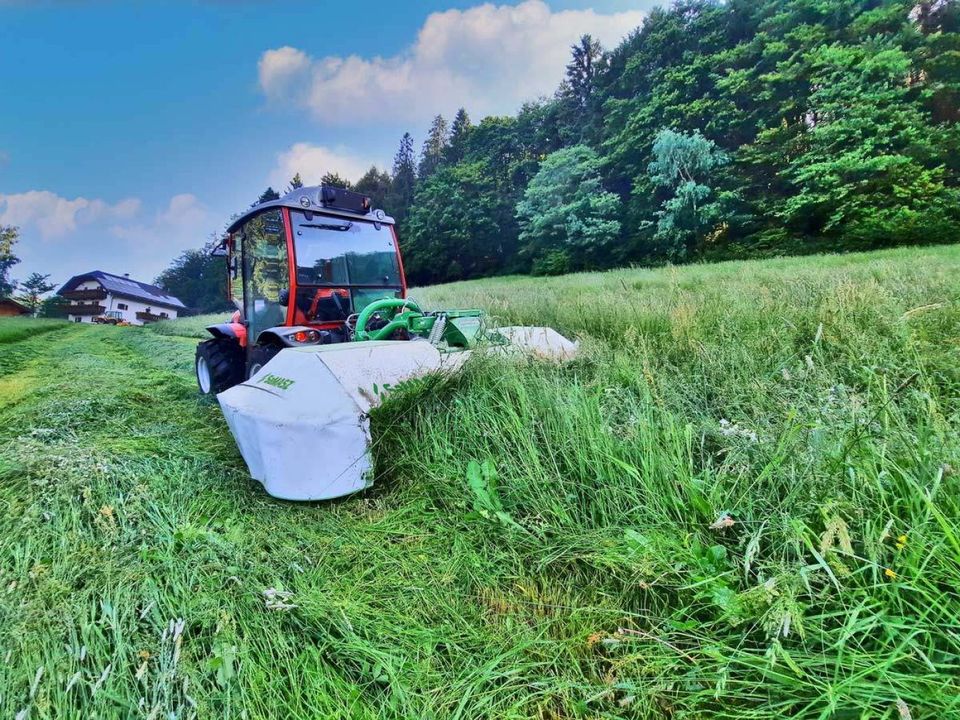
539 541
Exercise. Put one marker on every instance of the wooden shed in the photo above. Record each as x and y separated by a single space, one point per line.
11 308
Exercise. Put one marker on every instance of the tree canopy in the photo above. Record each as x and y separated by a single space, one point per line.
722 129
198 279
717 129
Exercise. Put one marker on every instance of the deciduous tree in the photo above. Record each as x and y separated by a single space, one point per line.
567 220
33 289
682 168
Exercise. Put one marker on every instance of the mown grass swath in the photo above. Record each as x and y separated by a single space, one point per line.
740 502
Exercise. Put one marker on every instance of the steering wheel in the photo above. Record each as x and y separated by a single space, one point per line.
390 308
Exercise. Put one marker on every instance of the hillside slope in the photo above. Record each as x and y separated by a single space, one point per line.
741 502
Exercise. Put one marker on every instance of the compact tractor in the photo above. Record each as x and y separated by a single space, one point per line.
323 329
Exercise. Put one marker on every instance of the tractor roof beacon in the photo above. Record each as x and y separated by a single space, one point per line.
323 329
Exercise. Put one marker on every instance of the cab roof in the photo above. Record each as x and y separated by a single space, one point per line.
312 199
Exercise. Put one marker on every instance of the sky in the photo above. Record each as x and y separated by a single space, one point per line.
131 131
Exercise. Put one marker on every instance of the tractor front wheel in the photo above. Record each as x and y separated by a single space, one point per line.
219 365
260 356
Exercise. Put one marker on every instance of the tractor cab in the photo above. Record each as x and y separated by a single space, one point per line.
300 270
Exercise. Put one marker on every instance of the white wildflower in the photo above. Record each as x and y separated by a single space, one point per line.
277 599
730 429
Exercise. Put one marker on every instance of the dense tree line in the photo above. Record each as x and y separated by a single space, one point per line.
715 130
731 129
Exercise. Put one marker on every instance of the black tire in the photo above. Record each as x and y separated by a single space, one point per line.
219 365
260 356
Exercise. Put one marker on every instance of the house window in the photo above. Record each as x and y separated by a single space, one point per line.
164 315
122 306
78 319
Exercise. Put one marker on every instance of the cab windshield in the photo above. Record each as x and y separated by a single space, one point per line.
338 252
342 266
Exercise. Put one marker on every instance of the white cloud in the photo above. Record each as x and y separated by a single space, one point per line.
54 216
184 222
488 58
65 237
312 161
278 68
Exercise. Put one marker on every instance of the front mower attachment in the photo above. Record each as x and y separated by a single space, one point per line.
302 422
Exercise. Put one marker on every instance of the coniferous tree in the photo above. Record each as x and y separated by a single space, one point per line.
333 179
295 183
577 96
403 180
376 185
583 69
433 148
456 144
266 196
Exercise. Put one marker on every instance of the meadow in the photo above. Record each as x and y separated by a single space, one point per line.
741 501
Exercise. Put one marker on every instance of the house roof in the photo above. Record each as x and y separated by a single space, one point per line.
125 287
11 301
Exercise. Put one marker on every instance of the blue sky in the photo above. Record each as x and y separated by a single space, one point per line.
131 131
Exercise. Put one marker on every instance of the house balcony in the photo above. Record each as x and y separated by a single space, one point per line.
86 295
86 309
150 317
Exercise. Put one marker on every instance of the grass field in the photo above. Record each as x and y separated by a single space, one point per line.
742 501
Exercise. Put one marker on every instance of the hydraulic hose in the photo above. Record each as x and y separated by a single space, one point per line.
376 306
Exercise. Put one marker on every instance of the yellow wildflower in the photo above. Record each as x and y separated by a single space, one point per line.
901 542
890 574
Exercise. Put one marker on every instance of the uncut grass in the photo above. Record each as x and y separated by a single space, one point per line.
571 571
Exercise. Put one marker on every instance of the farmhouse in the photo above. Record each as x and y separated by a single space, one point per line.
11 308
97 293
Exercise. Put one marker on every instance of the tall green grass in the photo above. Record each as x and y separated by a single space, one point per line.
192 326
741 501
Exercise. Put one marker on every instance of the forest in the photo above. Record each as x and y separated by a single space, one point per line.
716 130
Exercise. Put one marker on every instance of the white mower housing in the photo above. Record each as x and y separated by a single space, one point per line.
302 424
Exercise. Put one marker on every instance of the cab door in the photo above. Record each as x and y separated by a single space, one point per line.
265 271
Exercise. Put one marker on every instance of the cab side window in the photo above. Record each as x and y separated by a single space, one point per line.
266 270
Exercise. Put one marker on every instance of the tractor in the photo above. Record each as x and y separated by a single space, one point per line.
299 271
322 332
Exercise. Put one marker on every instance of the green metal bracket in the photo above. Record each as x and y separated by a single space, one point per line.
456 329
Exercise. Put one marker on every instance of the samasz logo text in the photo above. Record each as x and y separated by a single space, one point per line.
277 382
